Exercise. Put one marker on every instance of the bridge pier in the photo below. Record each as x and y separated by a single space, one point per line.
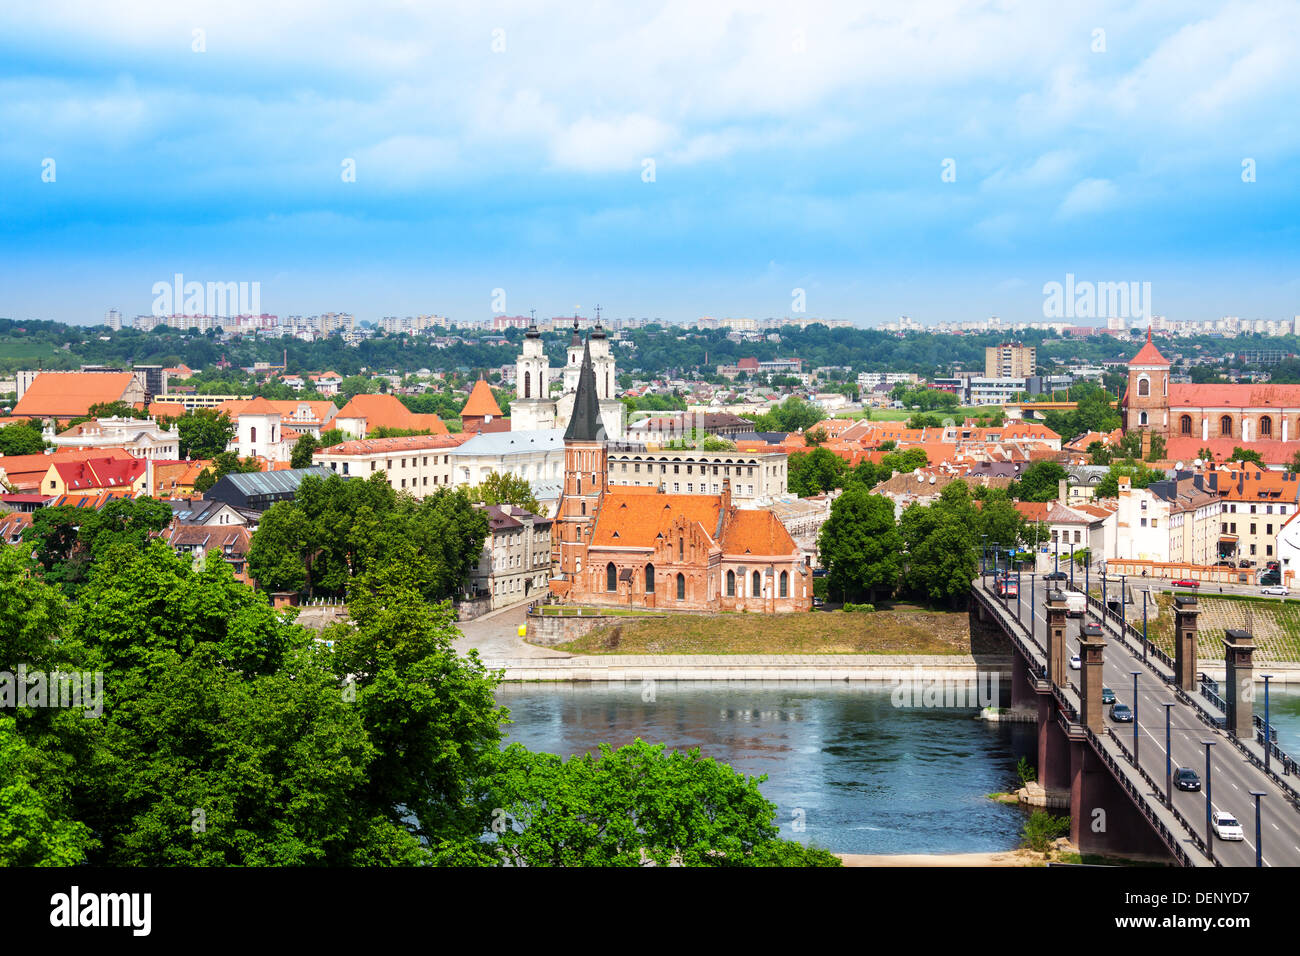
1053 754
1103 819
1056 612
1092 645
1022 687
1239 685
1185 611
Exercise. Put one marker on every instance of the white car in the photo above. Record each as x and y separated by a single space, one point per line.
1075 663
1278 589
1226 826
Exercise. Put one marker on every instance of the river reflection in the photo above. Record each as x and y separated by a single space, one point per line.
862 775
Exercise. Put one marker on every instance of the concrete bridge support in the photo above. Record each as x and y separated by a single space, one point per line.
1092 649
1056 612
1103 818
1239 685
1185 611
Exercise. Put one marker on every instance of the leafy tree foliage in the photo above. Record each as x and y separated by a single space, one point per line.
814 472
1247 454
22 438
1039 482
792 415
942 545
67 541
226 463
204 433
501 488
1140 474
860 544
303 449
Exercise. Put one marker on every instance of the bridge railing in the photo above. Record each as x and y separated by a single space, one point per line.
1141 800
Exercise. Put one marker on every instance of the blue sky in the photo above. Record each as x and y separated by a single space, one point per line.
794 146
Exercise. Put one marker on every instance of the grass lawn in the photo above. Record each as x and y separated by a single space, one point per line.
1275 624
897 631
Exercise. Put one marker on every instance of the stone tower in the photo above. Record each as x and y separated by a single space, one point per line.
1146 403
585 479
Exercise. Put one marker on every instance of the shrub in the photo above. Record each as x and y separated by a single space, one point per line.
1025 770
859 608
1042 828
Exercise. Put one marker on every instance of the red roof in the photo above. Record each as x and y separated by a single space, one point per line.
70 394
1234 396
99 473
481 403
1149 354
385 411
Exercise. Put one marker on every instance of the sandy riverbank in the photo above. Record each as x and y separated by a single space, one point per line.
1005 858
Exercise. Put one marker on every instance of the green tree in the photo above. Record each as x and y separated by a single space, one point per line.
1247 454
860 545
303 449
204 433
636 806
1039 482
814 472
225 463
1157 452
1140 476
909 459
941 545
22 438
503 488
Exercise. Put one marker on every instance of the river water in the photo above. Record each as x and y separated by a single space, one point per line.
848 770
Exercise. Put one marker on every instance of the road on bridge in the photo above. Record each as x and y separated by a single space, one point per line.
1233 776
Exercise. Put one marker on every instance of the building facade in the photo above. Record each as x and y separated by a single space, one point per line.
516 560
534 408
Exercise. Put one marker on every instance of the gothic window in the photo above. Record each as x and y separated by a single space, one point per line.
1144 386
785 584
611 577
1225 426
1142 418
252 434
1185 424
649 579
528 384
731 584
681 587
1266 427
757 584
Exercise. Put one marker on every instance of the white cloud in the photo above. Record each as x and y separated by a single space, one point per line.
1087 196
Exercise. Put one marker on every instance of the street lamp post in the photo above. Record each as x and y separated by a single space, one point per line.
1071 565
1123 602
1087 577
1032 618
1169 756
1135 717
1209 836
1017 592
1056 548
1105 608
1259 844
1268 736
1144 625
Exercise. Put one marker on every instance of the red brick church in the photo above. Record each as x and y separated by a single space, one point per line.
640 548
1216 416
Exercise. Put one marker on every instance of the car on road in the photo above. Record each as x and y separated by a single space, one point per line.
1075 663
1185 778
1275 589
1056 576
1226 826
1120 713
1187 583
1107 695
818 602
1008 589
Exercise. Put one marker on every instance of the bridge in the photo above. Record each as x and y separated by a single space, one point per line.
1116 778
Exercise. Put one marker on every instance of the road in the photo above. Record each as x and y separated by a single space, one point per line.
1232 777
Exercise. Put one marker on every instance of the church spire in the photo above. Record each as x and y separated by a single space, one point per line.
585 423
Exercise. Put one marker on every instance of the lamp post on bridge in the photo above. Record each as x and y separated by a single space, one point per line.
1268 736
1071 565
1209 836
1135 717
1123 604
1056 548
1017 591
1032 617
1259 843
1144 625
1169 755
1105 608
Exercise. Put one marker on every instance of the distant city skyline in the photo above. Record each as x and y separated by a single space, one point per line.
940 161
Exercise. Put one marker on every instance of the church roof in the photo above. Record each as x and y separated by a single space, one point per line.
585 423
1149 354
481 402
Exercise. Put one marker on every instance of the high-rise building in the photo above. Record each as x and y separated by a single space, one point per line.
113 319
1010 360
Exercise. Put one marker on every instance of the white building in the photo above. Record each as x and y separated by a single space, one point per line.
536 455
1142 524
140 437
535 410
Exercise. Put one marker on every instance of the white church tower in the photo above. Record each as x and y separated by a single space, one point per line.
534 408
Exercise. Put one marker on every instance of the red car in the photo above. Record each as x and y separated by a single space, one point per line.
1187 584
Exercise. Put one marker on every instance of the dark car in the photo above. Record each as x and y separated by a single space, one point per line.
1185 778
1056 576
1107 695
1121 713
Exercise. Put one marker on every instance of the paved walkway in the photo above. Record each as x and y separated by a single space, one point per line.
776 667
496 636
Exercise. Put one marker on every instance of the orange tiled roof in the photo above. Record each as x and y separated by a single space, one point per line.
1149 355
481 402
27 471
166 409
385 411
756 532
70 394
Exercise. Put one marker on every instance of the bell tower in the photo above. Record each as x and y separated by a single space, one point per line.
586 477
1146 403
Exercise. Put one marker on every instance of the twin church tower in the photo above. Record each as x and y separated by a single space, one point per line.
536 408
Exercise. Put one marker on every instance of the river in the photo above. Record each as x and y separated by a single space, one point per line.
847 770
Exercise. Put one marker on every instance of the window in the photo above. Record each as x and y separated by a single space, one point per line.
681 587
1225 426
681 549
528 384
1185 424
649 579
785 584
757 585
1144 386
731 584
252 434
1142 418
1265 427
611 577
